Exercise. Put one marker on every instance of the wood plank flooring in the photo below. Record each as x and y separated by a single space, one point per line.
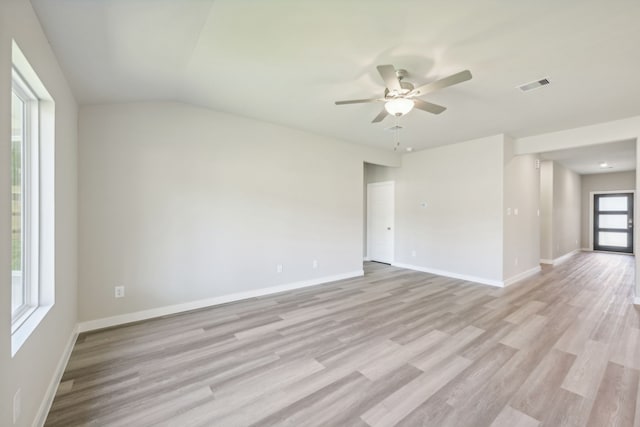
393 348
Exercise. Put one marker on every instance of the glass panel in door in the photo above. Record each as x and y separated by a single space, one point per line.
613 222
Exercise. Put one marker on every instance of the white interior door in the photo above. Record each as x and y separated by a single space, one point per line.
380 207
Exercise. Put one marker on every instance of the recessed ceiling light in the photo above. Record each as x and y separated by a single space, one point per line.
409 149
605 165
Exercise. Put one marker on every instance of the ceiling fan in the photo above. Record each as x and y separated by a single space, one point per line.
400 96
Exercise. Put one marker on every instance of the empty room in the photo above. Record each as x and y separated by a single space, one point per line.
305 213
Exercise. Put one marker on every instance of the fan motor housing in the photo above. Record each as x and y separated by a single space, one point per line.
401 73
406 88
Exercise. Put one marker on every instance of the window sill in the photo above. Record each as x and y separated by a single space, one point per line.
20 335
24 313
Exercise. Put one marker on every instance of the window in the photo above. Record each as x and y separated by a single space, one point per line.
24 201
32 190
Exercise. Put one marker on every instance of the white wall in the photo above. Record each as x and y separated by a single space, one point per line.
182 204
33 367
521 221
460 230
601 182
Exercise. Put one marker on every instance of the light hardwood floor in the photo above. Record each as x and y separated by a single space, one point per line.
395 347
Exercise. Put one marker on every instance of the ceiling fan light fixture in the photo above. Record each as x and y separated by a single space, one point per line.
400 96
398 106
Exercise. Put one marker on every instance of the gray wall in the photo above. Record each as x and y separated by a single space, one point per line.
521 222
546 210
560 210
460 230
566 211
636 244
378 173
180 204
33 368
601 182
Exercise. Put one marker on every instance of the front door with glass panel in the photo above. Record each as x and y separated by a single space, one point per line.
613 222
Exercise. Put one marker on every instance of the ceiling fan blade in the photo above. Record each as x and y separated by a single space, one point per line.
388 73
358 101
453 79
380 116
428 106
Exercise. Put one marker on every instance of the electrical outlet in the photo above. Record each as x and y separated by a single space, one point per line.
508 211
279 268
515 211
516 261
17 405
315 263
119 291
413 254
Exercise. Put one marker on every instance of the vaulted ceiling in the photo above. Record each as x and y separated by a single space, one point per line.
287 61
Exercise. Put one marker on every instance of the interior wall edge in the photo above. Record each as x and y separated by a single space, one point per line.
562 258
476 279
611 131
521 276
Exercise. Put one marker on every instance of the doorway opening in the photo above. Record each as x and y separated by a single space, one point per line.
380 218
571 216
378 213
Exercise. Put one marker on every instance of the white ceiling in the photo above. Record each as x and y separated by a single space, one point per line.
287 61
620 156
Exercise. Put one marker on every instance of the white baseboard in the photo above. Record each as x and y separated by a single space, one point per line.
561 259
565 257
586 250
50 394
194 305
521 276
482 280
636 300
366 258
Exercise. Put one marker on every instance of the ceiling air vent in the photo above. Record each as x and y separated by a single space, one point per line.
534 85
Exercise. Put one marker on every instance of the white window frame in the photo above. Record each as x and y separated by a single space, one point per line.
30 201
41 199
